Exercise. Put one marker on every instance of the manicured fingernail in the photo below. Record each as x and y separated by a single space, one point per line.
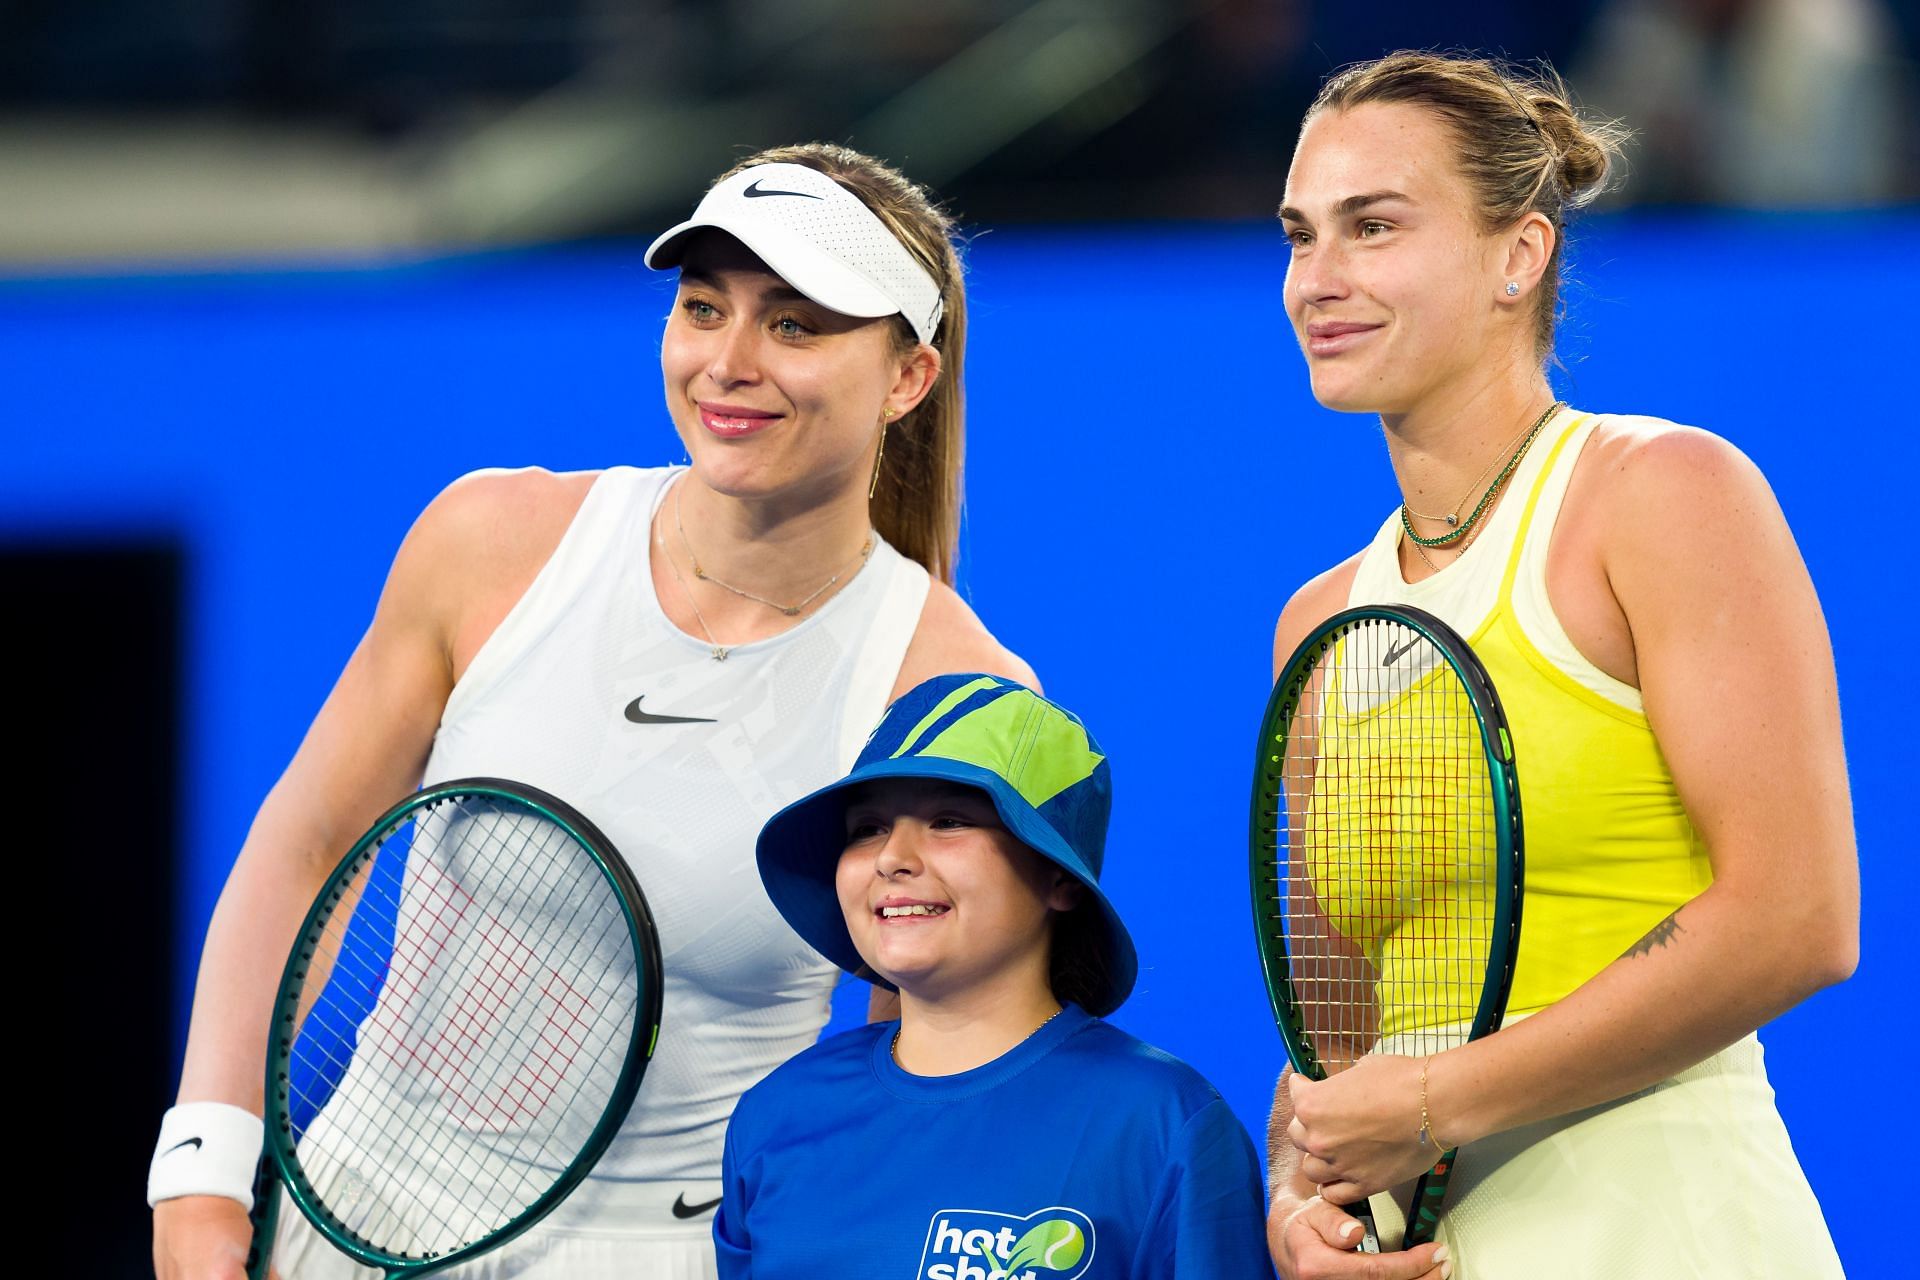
1446 1271
1441 1254
1349 1230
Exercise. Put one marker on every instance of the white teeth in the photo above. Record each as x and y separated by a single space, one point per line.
891 913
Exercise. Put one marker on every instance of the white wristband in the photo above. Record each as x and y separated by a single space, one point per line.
206 1149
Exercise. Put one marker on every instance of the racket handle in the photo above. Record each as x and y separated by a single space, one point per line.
1428 1194
1369 1234
265 1218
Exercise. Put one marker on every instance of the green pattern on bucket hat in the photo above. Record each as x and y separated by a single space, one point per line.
1047 778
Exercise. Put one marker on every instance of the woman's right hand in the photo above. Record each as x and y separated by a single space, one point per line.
1313 1239
201 1238
1310 1237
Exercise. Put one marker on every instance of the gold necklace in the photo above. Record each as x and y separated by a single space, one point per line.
1486 499
1453 517
790 610
1472 536
719 651
894 1048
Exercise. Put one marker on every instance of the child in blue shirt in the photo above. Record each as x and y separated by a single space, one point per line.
999 1130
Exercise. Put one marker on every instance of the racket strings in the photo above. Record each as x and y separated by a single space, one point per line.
353 962
358 973
488 1033
341 1134
454 1054
1383 879
460 1054
486 986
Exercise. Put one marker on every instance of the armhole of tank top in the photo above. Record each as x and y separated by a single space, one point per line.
877 665
559 580
1529 605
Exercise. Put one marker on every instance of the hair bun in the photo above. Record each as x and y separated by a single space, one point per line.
1585 151
1523 146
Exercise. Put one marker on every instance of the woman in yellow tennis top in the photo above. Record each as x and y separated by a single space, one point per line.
1635 594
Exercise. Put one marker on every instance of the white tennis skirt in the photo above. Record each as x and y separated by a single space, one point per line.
606 1230
1691 1179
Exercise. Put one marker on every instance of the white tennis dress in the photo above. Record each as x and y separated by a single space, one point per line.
561 697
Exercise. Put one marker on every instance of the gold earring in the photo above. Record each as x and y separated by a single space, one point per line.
873 486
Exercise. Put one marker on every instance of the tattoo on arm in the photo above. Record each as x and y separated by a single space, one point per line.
1658 936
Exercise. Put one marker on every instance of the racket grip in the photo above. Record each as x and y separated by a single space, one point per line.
265 1218
1423 1216
1369 1234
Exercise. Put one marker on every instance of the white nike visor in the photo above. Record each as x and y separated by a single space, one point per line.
818 237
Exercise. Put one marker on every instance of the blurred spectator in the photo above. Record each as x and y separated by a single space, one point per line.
1760 103
175 128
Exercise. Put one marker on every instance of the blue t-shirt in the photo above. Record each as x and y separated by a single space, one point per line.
1081 1152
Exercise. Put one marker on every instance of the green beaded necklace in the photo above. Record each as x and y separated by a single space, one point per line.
1452 536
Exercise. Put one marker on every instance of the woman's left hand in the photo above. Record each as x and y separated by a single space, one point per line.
1359 1132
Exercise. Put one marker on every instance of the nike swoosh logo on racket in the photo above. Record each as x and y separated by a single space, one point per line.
635 714
184 1142
681 1209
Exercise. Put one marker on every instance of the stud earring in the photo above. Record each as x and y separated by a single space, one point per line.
1513 288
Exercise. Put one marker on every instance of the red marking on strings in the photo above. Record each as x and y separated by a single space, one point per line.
502 965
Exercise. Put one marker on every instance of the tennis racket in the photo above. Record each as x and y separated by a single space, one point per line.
1386 854
459 1031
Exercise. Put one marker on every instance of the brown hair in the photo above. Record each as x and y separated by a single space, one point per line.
917 504
1077 960
1524 146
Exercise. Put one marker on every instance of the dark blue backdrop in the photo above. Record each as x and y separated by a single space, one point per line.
1149 479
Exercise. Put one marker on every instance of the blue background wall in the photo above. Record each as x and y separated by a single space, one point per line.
1149 479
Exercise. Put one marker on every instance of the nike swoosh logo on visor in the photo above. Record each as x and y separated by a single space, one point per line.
755 192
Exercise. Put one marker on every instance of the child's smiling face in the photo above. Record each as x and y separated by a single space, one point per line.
941 899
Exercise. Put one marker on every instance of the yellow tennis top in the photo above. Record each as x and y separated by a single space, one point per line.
1609 850
1397 839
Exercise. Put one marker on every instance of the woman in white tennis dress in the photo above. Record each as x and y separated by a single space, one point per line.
677 652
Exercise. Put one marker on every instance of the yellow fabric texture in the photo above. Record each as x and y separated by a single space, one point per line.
1693 1177
1393 817
1609 848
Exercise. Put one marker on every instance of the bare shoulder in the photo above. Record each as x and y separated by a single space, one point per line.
478 546
951 638
1651 473
1320 598
1684 528
500 512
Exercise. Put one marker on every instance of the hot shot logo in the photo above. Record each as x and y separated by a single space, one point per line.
978 1244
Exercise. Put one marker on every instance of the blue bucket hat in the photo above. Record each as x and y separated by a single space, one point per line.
1048 781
